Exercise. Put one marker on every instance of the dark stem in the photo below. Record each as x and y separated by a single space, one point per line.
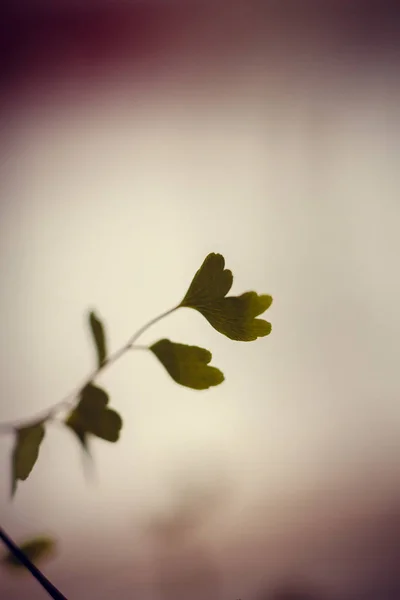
38 575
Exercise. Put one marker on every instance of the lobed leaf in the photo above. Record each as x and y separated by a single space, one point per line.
36 549
92 417
25 452
99 338
233 316
187 365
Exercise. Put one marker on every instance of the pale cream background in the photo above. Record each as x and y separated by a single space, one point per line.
113 204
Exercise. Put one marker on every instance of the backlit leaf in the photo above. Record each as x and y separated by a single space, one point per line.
25 452
36 549
93 417
99 337
233 316
187 365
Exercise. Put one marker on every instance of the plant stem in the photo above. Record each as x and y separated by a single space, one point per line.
37 574
68 401
50 414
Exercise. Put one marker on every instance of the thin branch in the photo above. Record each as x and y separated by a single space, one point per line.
49 415
37 574
69 400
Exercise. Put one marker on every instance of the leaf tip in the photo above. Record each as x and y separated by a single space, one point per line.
265 301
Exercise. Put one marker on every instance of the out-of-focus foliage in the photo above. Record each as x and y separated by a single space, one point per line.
93 417
36 550
25 452
99 338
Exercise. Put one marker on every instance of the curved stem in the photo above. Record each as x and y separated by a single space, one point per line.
48 415
51 412
37 574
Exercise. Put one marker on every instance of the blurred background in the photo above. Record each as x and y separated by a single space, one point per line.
137 137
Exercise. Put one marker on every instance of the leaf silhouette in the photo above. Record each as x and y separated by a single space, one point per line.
25 452
233 316
92 417
97 329
187 365
36 549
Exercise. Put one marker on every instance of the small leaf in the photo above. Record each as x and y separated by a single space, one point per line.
36 549
92 417
99 337
233 316
187 365
25 452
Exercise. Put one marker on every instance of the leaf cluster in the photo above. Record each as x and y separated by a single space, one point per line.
90 415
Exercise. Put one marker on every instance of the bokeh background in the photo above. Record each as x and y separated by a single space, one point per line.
136 139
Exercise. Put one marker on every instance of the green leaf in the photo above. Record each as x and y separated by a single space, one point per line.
92 417
99 337
233 316
187 365
25 452
36 549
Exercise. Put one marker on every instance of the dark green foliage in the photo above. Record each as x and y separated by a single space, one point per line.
36 549
233 316
92 417
89 414
25 452
187 365
99 337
